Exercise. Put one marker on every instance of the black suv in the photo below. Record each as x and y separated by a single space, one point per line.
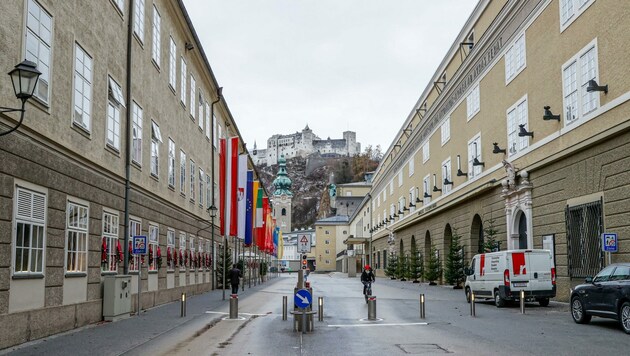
607 296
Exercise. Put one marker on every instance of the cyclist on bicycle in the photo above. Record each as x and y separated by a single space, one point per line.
367 277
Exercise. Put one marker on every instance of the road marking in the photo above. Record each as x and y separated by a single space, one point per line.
224 313
360 325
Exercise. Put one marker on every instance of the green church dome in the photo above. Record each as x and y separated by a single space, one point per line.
282 183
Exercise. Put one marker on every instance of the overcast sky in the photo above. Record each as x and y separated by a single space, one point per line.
335 65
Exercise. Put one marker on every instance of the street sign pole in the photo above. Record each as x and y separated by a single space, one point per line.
139 249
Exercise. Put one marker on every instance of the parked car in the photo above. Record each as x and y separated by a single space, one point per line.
502 275
607 296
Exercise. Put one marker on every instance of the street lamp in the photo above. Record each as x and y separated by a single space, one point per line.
213 214
24 79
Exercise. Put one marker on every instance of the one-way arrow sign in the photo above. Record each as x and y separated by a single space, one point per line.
303 298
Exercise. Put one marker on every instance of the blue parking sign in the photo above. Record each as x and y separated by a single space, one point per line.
609 242
139 244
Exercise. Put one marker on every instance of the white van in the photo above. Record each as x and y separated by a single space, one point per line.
502 275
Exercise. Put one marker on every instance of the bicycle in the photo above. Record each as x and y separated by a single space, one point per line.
367 290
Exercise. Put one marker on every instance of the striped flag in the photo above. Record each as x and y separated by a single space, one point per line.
241 195
228 159
258 226
249 215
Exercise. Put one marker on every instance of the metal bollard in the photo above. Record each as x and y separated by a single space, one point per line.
234 306
422 310
472 304
522 302
320 303
182 306
372 307
284 307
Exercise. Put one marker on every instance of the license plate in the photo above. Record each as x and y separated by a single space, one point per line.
519 284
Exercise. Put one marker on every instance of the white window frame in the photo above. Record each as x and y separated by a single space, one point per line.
215 133
172 64
515 115
39 33
171 163
138 20
135 229
426 189
426 154
391 187
156 40
193 107
201 114
570 15
111 229
76 236
412 165
201 186
445 131
515 58
82 84
579 88
412 199
184 75
137 115
474 171
182 249
208 191
153 243
208 121
120 5
170 247
193 173
447 173
400 178
156 140
114 104
30 208
182 172
473 105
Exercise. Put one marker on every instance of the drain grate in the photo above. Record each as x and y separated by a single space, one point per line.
423 349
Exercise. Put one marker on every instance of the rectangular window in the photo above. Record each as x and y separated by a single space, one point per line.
154 238
172 64
114 104
191 246
216 195
171 163
400 178
214 125
183 80
446 176
82 88
391 187
584 226
38 46
76 237
426 188
515 59
472 102
182 172
207 120
182 250
30 231
201 189
517 115
576 74
208 191
156 139
412 198
445 131
193 108
156 41
192 180
110 237
135 229
201 114
170 250
138 20
425 152
571 10
474 157
136 149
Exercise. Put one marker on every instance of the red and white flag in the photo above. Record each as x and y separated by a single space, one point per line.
241 194
228 168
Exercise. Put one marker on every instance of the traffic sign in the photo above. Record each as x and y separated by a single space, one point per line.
610 242
139 245
304 243
303 298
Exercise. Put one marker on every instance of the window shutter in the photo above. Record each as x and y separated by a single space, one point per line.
31 205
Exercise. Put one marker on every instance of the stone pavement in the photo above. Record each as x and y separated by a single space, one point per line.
125 336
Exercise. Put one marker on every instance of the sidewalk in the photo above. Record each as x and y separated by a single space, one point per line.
116 338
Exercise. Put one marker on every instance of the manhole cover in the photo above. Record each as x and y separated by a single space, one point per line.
423 349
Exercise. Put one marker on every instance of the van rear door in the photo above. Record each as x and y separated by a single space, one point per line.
539 264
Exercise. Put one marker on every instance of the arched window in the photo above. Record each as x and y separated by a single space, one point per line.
284 212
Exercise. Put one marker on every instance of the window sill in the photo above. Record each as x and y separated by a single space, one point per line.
75 274
109 273
82 130
155 177
170 271
137 37
40 104
172 89
153 271
133 273
28 276
155 64
171 187
113 150
137 165
183 195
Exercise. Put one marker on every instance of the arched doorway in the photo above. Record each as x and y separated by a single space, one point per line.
427 248
477 240
448 238
402 262
522 231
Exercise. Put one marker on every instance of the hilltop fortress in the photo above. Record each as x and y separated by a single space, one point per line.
304 144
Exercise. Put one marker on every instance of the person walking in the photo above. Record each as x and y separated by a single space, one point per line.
234 276
367 277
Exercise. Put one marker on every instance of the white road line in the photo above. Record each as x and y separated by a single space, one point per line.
224 313
362 325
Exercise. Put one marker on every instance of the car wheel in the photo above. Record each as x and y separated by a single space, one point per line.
577 311
498 301
543 302
467 291
624 317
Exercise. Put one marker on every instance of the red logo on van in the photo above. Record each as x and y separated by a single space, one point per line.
518 263
482 265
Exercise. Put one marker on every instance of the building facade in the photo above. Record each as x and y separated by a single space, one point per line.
114 141
522 135
282 197
303 144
